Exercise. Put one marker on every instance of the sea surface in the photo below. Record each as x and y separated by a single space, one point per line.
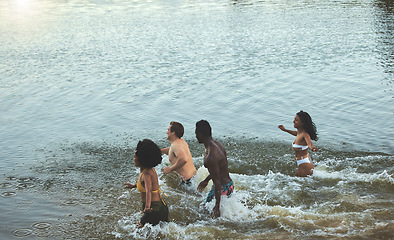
82 81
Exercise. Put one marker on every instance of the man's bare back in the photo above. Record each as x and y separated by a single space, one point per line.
179 153
216 157
180 150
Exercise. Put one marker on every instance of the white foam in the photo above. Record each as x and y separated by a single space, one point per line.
202 173
234 208
250 202
351 175
128 228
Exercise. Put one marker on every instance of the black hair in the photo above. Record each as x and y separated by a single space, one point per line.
309 126
204 128
148 153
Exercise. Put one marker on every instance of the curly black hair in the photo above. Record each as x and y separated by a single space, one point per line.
148 153
309 126
204 128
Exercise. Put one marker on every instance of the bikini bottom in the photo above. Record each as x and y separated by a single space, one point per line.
159 213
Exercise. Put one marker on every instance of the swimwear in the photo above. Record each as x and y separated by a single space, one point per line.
296 146
303 159
226 189
142 188
159 213
139 185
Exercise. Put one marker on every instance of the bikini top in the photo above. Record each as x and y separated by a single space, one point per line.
296 147
139 185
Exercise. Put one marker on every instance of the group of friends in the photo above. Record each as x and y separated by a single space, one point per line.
148 155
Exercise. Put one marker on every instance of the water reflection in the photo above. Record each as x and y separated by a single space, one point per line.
385 32
386 5
22 5
26 20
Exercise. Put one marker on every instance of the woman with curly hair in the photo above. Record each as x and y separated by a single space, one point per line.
146 157
306 132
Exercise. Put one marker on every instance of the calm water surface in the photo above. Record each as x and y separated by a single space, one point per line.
82 81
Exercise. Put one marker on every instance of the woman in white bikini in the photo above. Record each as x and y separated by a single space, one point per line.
306 132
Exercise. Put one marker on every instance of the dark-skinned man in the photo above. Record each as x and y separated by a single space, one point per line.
215 160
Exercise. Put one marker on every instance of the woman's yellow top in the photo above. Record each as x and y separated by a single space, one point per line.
142 188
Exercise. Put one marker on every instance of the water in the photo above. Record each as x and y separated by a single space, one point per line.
82 81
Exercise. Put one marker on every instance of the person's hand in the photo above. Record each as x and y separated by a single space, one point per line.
139 225
129 185
216 212
147 210
166 170
314 149
202 186
281 127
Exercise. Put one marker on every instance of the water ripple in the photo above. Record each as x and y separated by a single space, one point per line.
23 232
8 194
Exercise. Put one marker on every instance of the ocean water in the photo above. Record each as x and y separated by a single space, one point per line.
82 81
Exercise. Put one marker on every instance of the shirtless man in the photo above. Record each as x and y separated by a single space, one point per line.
179 154
215 159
